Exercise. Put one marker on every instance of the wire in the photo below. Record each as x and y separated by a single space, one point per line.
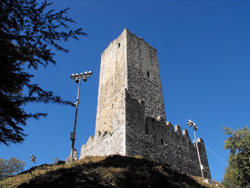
216 155
226 163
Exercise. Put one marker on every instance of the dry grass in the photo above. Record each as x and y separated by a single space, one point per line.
200 180
90 159
27 177
112 171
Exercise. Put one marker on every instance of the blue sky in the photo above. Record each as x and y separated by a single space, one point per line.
204 57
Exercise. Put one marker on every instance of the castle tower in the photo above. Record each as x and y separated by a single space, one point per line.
128 63
130 117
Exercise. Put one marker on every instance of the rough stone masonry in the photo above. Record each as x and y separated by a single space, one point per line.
131 118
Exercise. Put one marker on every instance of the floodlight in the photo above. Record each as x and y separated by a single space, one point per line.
81 74
72 76
190 123
90 73
33 158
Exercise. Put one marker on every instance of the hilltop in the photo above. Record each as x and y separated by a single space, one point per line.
112 171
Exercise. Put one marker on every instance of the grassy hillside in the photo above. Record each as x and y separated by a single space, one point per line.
112 171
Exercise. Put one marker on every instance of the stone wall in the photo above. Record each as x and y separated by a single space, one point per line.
110 117
144 81
105 143
112 81
131 117
157 140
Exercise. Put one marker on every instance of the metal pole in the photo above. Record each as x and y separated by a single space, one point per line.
198 154
77 79
73 140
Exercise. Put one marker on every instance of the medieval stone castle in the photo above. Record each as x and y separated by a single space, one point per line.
131 118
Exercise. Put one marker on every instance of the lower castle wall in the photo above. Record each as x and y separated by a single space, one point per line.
157 140
105 144
151 138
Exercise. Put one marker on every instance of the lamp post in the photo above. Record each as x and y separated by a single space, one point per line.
195 128
77 78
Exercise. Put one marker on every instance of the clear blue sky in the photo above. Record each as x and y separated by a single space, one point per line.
204 56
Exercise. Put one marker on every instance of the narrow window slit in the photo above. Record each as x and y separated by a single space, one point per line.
162 141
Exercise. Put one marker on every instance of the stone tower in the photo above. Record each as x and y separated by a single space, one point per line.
130 117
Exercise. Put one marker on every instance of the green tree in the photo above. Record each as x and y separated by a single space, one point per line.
237 173
10 167
28 34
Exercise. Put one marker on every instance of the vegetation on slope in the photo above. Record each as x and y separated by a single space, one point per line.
112 171
238 171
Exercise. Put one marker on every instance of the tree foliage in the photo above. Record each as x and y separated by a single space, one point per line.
10 167
238 172
28 33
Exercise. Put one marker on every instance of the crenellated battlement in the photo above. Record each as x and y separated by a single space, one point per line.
131 117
